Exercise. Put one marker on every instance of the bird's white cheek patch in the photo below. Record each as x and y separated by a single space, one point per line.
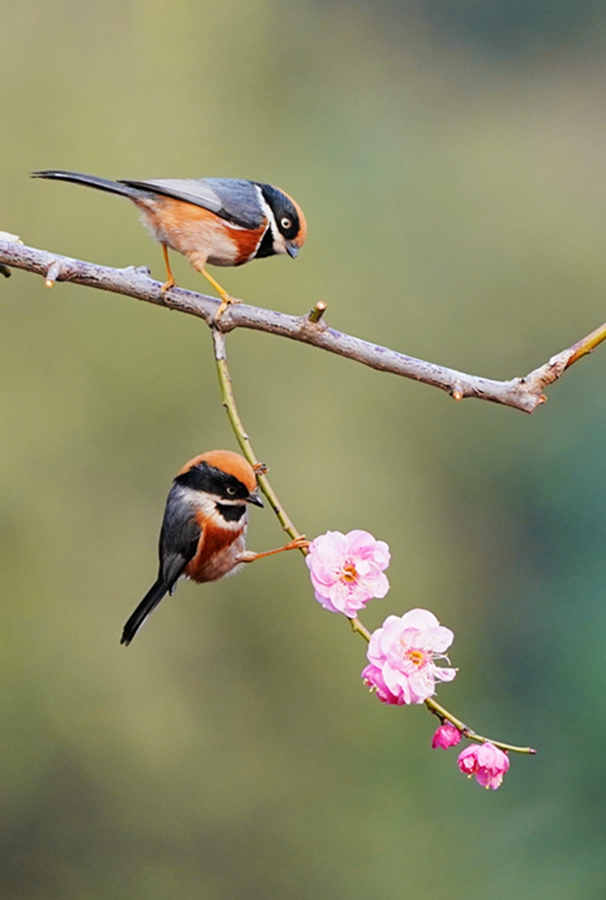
207 504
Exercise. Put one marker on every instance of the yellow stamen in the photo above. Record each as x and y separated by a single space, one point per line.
349 573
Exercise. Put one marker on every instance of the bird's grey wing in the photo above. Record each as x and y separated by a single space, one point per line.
233 199
179 536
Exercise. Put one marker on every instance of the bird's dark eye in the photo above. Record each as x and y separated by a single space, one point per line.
285 223
231 491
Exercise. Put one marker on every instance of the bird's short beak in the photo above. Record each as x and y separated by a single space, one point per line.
254 497
292 249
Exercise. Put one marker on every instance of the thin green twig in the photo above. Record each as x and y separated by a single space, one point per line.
243 439
229 403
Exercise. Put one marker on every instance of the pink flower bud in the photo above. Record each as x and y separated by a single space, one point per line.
446 736
486 762
346 570
402 656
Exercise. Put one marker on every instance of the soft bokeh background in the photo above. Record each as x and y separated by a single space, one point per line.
450 158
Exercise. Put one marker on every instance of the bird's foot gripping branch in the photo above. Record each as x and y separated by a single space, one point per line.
406 654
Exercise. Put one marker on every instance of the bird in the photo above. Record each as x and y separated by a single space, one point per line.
203 534
216 221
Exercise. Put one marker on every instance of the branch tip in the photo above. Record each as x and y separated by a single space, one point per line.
53 272
317 312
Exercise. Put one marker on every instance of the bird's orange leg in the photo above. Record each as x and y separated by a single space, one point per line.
299 543
170 281
226 298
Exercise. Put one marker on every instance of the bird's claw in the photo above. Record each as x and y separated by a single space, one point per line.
168 284
226 301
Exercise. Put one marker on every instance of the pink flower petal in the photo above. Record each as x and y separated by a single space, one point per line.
373 677
445 674
419 619
439 638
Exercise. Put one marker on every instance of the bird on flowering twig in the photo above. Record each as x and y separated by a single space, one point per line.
203 535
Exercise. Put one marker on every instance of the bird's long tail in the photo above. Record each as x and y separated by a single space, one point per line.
101 184
145 609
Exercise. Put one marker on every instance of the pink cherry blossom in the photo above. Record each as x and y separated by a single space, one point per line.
402 656
346 570
446 736
486 762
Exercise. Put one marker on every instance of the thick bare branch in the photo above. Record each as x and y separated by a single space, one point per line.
524 393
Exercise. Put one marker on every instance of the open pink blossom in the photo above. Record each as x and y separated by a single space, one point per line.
446 736
346 570
486 762
402 656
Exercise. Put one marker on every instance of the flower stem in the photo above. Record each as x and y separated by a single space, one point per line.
360 629
229 403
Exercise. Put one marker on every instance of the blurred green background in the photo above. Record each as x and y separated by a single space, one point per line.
450 159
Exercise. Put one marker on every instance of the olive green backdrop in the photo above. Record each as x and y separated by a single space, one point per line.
450 160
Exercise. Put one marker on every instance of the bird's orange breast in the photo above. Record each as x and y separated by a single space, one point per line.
198 233
219 550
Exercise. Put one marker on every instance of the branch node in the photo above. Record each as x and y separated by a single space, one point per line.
317 312
259 468
53 272
4 270
220 320
456 392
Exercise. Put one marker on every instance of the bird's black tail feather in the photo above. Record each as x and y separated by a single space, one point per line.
145 609
102 184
